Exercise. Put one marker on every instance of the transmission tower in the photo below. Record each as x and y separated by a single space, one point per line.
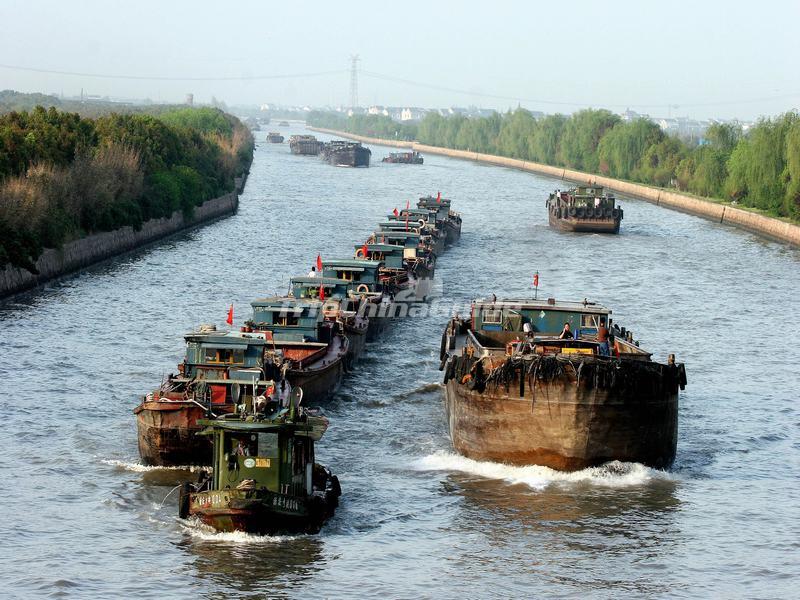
354 80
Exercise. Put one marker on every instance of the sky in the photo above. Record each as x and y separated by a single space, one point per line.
702 59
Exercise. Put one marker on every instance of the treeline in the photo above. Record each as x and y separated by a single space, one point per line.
63 176
370 125
760 169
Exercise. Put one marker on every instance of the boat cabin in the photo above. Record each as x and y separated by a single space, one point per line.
263 455
406 240
496 324
391 256
585 196
290 319
308 287
229 363
358 272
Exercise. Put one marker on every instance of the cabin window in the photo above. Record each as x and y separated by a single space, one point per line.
492 317
346 275
268 445
287 320
243 445
224 356
589 321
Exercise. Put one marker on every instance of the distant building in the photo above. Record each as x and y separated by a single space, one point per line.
412 114
190 99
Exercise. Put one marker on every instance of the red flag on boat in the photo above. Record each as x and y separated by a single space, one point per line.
438 197
536 279
395 211
408 204
319 265
322 292
365 250
229 320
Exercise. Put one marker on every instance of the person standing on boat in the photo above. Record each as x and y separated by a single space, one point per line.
312 272
602 338
566 333
284 393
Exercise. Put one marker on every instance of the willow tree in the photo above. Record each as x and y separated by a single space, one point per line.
582 134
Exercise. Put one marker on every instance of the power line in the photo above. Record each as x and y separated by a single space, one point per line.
170 78
572 104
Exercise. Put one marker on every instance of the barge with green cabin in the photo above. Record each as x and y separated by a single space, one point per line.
520 389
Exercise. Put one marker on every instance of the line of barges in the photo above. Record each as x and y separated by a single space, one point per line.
241 399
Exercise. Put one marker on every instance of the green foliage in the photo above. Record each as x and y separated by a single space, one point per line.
581 137
623 147
63 176
760 169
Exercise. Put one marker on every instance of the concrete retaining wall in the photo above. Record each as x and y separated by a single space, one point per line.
93 249
721 213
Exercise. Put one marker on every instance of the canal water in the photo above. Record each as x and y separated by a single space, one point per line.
83 518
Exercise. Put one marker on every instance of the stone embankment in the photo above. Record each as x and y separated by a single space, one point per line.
776 229
55 263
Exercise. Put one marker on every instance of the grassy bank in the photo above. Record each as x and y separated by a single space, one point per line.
63 176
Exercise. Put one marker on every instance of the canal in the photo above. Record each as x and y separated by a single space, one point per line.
83 518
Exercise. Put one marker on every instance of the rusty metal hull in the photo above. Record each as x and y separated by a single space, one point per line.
453 231
357 338
166 434
319 382
377 326
563 425
599 225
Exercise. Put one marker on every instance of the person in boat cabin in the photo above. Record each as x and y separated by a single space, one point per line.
566 333
312 272
241 449
602 338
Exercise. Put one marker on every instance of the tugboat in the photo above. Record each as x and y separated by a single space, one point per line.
273 137
311 350
586 209
220 370
305 145
404 158
340 153
523 389
452 219
264 479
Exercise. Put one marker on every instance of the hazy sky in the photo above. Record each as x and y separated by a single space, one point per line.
725 59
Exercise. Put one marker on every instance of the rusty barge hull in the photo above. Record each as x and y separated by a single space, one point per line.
585 225
563 424
166 434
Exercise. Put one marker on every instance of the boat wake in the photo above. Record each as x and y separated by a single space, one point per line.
138 467
612 474
203 532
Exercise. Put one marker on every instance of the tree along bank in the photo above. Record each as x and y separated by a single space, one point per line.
64 177
759 169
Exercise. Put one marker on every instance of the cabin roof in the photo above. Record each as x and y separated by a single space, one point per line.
357 264
381 248
530 304
225 339
397 234
285 302
318 281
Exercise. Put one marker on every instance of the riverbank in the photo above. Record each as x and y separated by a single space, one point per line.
769 227
89 251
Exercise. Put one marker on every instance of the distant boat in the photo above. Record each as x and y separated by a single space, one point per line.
283 124
585 208
273 137
404 158
305 145
340 153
